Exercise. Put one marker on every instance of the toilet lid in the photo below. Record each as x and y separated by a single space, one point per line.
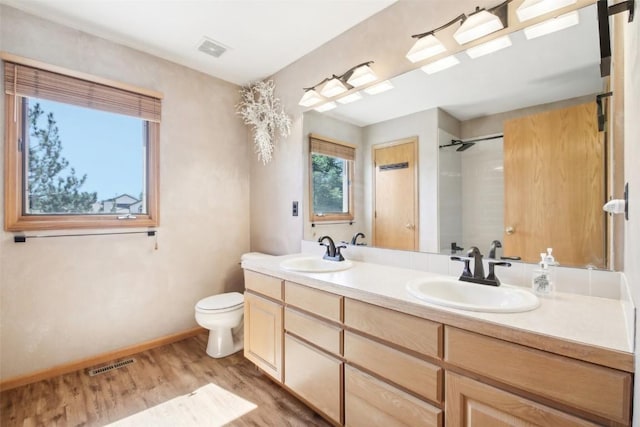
221 301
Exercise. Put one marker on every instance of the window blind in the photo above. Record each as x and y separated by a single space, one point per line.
333 149
27 81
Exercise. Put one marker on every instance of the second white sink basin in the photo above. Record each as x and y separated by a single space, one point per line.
450 292
314 265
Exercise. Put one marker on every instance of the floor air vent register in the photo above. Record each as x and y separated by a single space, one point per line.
110 367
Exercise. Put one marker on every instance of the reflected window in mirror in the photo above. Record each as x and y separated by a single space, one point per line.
331 180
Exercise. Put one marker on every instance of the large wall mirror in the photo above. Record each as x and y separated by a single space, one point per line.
508 150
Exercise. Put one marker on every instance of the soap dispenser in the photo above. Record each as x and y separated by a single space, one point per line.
549 259
542 282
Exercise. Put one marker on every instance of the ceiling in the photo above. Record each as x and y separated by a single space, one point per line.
551 68
261 36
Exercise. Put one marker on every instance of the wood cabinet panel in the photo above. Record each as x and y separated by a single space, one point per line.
324 335
321 303
595 389
314 376
471 403
263 334
416 375
263 284
371 402
404 330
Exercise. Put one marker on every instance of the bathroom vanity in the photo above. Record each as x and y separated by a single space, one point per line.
360 350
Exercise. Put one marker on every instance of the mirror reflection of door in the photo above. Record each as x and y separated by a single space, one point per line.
395 210
554 163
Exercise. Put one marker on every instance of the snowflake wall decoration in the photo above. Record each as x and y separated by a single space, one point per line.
260 109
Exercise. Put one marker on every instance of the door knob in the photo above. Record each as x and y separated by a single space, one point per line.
409 226
509 230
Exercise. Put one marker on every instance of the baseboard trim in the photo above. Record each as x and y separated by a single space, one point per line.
96 360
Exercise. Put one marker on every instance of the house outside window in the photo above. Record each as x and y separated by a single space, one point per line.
82 152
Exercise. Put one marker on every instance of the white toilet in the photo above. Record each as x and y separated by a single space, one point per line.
222 314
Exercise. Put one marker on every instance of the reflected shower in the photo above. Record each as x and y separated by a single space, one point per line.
465 145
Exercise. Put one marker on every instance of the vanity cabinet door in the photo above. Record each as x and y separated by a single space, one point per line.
263 334
470 403
315 376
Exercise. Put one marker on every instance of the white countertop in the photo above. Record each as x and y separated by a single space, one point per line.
585 320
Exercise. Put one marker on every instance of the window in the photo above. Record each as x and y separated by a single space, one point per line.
81 152
331 179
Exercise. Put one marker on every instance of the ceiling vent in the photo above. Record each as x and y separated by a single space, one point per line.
211 47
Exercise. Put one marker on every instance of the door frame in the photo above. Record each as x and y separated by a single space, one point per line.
409 140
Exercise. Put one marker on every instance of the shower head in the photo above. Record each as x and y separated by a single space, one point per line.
465 146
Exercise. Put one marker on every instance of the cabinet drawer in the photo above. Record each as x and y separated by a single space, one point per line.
407 371
371 402
263 284
314 376
595 389
315 331
314 301
404 330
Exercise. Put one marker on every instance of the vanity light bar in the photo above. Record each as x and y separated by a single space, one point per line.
355 76
441 64
489 47
425 47
552 25
310 98
333 87
361 76
530 9
477 25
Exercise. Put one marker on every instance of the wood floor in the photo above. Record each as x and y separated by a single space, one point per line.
173 385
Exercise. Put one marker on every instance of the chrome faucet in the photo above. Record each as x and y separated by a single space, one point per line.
354 240
333 251
492 249
478 269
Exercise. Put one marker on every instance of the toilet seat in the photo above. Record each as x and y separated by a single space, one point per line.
221 302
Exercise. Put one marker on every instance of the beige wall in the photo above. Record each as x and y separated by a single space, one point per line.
63 299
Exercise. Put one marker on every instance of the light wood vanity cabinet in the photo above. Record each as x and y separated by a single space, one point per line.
263 314
313 349
359 364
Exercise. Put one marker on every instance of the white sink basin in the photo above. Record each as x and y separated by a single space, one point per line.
450 292
315 265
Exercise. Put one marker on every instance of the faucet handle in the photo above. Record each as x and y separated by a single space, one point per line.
492 275
338 255
466 272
